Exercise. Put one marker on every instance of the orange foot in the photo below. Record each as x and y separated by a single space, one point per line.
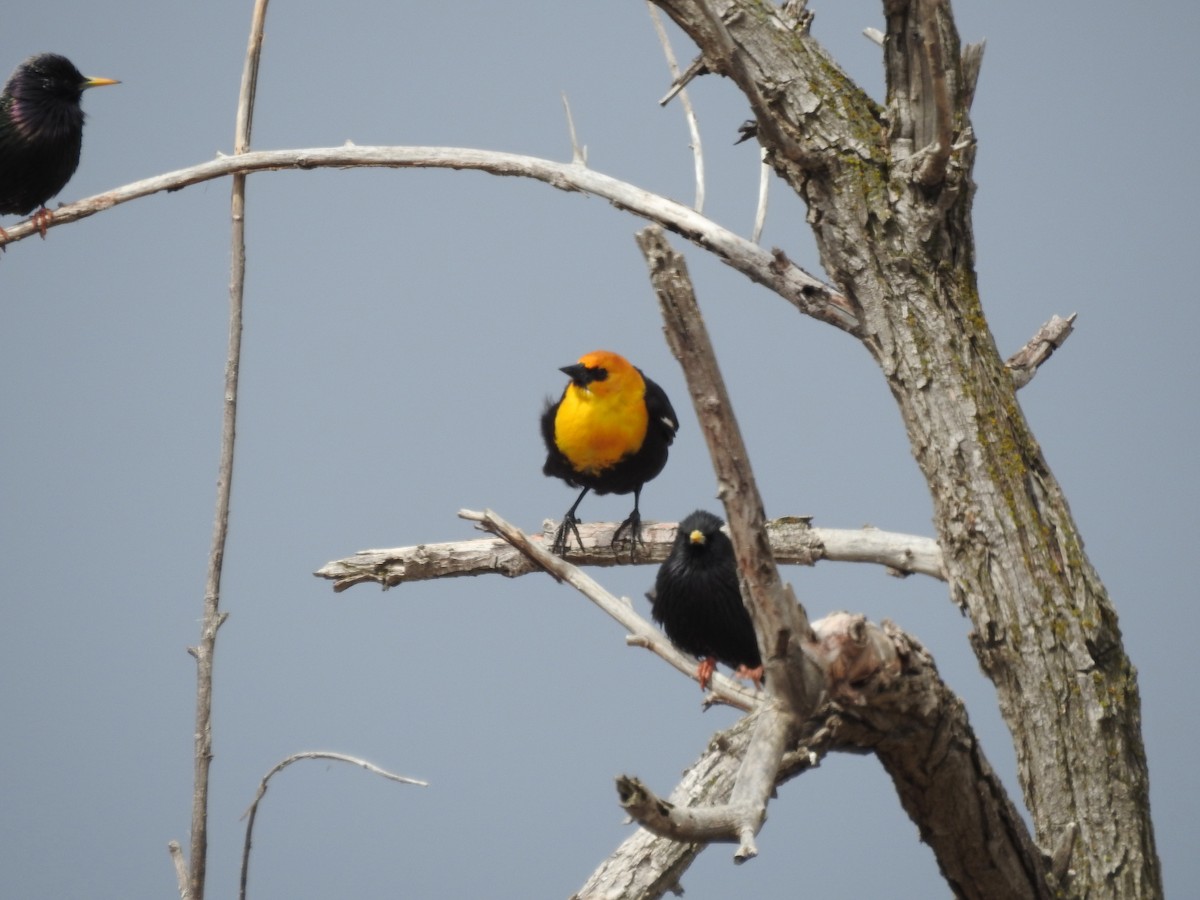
41 219
704 671
755 675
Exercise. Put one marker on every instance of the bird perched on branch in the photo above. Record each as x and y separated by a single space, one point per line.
697 601
41 132
609 433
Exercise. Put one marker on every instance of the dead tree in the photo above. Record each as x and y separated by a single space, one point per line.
889 192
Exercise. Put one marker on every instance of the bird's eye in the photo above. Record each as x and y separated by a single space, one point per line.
598 374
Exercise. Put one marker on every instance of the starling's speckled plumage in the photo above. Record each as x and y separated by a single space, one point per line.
609 433
697 601
41 130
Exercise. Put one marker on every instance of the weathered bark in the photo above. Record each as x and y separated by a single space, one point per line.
889 195
919 730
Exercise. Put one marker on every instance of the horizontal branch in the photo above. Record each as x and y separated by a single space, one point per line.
808 294
793 541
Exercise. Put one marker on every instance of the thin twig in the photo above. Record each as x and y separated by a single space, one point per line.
213 617
696 68
764 183
252 812
688 112
578 152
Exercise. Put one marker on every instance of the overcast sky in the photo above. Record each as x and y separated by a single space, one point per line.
402 331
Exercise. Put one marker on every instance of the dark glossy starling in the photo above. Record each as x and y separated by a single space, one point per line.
41 131
697 601
609 433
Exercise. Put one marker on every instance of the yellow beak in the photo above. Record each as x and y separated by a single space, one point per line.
99 82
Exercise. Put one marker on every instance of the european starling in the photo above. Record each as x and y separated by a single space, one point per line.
697 601
609 433
41 131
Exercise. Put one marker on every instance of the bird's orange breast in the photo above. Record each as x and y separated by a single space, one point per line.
594 430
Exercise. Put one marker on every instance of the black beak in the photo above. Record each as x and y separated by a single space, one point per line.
578 373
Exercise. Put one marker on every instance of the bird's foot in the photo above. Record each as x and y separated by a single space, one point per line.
634 526
562 536
41 219
755 674
704 671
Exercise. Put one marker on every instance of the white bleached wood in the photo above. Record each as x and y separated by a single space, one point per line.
808 294
792 541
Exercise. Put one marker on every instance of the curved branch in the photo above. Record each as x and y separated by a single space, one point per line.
793 541
252 812
808 294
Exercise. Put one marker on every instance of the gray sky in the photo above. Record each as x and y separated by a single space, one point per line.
402 331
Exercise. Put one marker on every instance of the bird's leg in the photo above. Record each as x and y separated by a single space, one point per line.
755 674
41 219
704 671
568 526
633 525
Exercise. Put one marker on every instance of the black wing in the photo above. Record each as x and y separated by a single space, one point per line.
663 420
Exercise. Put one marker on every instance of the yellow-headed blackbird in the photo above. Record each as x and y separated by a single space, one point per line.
697 601
609 433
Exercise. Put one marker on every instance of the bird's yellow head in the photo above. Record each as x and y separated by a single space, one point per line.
604 373
602 416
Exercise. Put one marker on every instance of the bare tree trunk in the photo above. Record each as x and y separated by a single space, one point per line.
889 193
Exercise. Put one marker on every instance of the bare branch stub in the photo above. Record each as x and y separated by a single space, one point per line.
926 93
1025 363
